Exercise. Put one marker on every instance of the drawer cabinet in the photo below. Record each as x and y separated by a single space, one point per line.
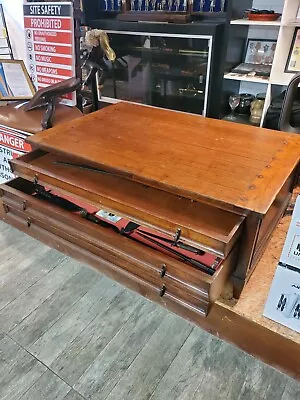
191 286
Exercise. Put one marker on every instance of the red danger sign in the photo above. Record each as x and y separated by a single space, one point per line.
14 142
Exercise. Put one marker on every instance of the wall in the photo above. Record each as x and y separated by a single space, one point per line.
13 11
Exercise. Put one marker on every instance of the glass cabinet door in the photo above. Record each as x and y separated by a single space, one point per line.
168 71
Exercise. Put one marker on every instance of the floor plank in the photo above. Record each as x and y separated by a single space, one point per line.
85 348
25 274
43 316
20 308
262 382
18 371
109 367
186 372
72 395
14 245
48 387
55 340
153 361
292 390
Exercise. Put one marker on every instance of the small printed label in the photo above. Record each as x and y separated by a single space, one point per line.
108 216
294 252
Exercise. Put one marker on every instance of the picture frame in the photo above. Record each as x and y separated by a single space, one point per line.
15 82
293 61
260 51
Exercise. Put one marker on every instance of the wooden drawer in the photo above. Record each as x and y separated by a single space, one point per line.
186 282
211 228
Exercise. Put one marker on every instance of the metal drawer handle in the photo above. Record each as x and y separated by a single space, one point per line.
24 205
29 222
163 270
162 291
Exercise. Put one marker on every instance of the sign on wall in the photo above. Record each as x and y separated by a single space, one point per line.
49 32
283 303
12 145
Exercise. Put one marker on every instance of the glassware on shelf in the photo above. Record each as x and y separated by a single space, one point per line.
153 4
212 5
234 101
222 9
256 108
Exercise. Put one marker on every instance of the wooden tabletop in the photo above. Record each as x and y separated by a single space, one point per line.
199 158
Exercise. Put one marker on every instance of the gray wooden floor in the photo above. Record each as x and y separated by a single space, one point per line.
68 333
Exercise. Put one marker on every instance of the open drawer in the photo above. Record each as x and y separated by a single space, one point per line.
187 283
211 228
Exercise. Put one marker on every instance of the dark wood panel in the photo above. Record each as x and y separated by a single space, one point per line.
199 158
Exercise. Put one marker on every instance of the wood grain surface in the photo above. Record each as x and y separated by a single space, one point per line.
199 158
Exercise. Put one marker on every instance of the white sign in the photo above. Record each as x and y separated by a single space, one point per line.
12 145
49 32
283 303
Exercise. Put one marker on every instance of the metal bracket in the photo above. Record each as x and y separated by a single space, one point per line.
24 205
177 236
163 270
162 291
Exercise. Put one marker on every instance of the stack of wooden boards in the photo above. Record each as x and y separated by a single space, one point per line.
210 185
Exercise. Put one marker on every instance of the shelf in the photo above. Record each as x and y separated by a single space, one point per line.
282 80
254 79
255 23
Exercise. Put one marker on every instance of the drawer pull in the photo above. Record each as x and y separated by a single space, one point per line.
5 207
24 205
163 270
36 179
162 291
29 222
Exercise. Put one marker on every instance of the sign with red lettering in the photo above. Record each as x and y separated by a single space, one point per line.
12 145
49 28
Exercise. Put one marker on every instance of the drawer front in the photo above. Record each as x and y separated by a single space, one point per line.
163 284
139 259
111 270
213 229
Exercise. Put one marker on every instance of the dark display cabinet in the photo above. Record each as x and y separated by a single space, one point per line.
169 71
169 62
